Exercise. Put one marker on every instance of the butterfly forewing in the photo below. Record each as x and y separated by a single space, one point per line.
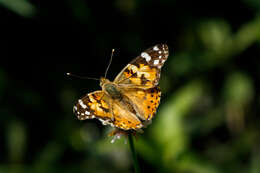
144 70
99 105
94 105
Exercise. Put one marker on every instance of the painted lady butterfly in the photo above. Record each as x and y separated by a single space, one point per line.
131 100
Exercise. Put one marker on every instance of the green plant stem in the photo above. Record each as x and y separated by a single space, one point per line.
132 148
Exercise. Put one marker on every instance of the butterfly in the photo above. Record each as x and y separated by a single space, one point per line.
131 100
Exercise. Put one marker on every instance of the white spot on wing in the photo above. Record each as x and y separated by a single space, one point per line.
146 56
104 122
82 104
156 62
87 113
163 60
155 48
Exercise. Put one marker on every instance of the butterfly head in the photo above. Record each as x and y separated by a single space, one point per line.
103 81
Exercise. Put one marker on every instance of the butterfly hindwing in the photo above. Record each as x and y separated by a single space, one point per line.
145 101
144 71
124 118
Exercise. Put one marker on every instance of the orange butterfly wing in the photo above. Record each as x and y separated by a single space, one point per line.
144 71
99 105
94 105
124 118
146 101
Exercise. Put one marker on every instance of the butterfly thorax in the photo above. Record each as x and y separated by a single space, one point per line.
110 88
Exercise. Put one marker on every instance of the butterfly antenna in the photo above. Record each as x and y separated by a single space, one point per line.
110 61
81 77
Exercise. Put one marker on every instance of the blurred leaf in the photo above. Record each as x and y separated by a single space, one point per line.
169 130
147 150
193 164
247 35
239 92
255 162
16 141
216 36
21 7
48 157
238 89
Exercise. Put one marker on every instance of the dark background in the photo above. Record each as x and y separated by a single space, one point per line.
208 120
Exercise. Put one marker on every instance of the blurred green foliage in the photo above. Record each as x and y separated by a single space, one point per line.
21 7
208 118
